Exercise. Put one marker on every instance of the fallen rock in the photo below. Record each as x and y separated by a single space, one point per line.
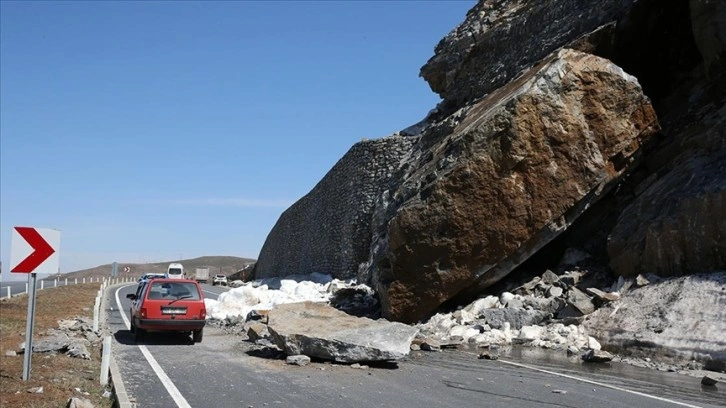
257 315
517 318
257 331
80 324
451 343
57 343
597 356
489 302
320 331
488 356
604 296
580 301
77 349
549 277
76 402
641 280
708 380
491 354
300 359
554 291
571 278
431 345
530 333
10 353
35 390
357 301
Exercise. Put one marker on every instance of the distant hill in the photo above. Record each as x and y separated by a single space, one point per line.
227 265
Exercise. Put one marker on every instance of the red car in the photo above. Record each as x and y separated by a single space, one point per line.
168 305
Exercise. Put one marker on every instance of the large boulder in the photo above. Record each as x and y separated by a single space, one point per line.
321 331
498 180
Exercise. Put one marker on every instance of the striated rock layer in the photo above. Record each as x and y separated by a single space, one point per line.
514 170
500 38
329 230
683 318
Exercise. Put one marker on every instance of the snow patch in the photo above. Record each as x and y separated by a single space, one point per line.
265 294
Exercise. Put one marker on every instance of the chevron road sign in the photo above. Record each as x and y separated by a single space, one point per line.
34 250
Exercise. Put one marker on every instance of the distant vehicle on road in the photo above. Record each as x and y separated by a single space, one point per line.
201 275
219 279
168 305
175 271
145 277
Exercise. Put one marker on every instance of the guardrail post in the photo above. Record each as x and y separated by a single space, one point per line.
55 283
105 359
66 281
9 293
84 280
42 284
96 310
26 287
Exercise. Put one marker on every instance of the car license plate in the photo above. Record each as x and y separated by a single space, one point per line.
173 310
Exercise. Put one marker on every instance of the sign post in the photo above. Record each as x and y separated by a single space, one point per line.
29 327
33 251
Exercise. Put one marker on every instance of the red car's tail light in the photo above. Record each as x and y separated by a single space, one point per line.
142 311
203 313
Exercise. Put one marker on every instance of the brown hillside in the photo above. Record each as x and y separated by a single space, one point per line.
217 264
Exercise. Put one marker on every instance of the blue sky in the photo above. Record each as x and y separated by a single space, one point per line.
153 131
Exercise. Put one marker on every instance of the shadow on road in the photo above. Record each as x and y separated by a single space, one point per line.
154 338
273 353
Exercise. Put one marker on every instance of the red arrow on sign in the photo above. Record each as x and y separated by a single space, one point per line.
41 250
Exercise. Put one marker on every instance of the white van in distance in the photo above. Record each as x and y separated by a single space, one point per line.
175 271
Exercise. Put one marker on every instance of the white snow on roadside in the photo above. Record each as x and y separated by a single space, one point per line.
267 293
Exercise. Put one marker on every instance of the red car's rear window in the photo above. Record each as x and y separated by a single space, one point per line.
173 290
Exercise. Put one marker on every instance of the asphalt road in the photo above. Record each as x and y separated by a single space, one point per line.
225 371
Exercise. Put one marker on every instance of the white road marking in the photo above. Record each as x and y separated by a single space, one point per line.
181 402
614 387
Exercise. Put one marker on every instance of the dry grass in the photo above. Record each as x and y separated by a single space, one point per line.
58 374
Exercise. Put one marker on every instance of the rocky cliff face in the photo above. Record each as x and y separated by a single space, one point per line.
501 38
549 127
329 230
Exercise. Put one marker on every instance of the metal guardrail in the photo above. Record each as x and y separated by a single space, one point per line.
21 288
